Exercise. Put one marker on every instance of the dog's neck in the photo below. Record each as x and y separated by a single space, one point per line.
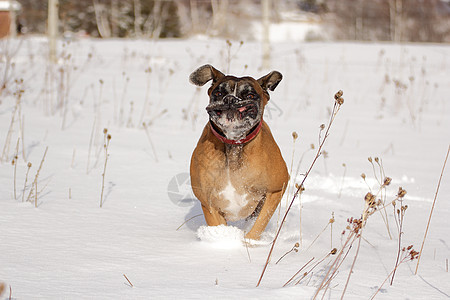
233 155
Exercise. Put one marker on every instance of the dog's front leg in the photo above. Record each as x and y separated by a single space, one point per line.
269 207
213 217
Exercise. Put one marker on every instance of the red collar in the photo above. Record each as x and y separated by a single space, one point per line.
248 138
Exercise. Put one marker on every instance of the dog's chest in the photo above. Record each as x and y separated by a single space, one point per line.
235 200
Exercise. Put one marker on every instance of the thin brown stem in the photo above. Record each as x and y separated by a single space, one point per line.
431 212
335 265
386 279
300 187
106 145
128 280
400 217
34 184
188 221
304 266
353 264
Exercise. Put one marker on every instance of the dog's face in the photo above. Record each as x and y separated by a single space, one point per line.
236 105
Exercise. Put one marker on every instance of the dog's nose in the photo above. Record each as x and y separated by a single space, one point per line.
230 100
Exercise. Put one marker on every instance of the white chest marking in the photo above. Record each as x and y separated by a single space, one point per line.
236 201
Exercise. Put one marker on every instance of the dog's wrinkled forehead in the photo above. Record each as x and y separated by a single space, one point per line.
235 86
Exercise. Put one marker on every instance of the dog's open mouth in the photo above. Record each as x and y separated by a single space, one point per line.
234 113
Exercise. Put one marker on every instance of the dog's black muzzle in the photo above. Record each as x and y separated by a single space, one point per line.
233 108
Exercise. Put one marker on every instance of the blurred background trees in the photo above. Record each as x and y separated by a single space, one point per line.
368 20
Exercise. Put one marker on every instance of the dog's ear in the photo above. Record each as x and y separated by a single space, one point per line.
270 81
204 74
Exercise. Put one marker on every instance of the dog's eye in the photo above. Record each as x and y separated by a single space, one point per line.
250 96
217 94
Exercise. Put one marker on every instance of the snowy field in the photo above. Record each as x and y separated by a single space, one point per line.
396 108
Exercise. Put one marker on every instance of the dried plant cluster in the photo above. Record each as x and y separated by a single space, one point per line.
352 236
375 202
353 233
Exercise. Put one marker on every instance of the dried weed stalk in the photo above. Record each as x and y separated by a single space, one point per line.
354 234
400 215
294 248
26 179
33 191
408 254
16 115
431 212
330 223
337 105
107 139
14 163
131 285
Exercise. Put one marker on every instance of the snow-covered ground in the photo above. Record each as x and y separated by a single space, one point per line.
396 108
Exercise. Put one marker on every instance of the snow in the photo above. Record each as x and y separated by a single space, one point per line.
396 108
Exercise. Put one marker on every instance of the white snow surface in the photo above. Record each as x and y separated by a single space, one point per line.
396 108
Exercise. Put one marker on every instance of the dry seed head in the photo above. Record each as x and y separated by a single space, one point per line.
363 176
387 181
312 146
369 159
108 137
377 159
29 165
413 254
338 94
105 130
297 245
369 197
401 192
300 188
294 135
333 251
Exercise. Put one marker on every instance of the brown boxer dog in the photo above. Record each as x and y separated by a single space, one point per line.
237 170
